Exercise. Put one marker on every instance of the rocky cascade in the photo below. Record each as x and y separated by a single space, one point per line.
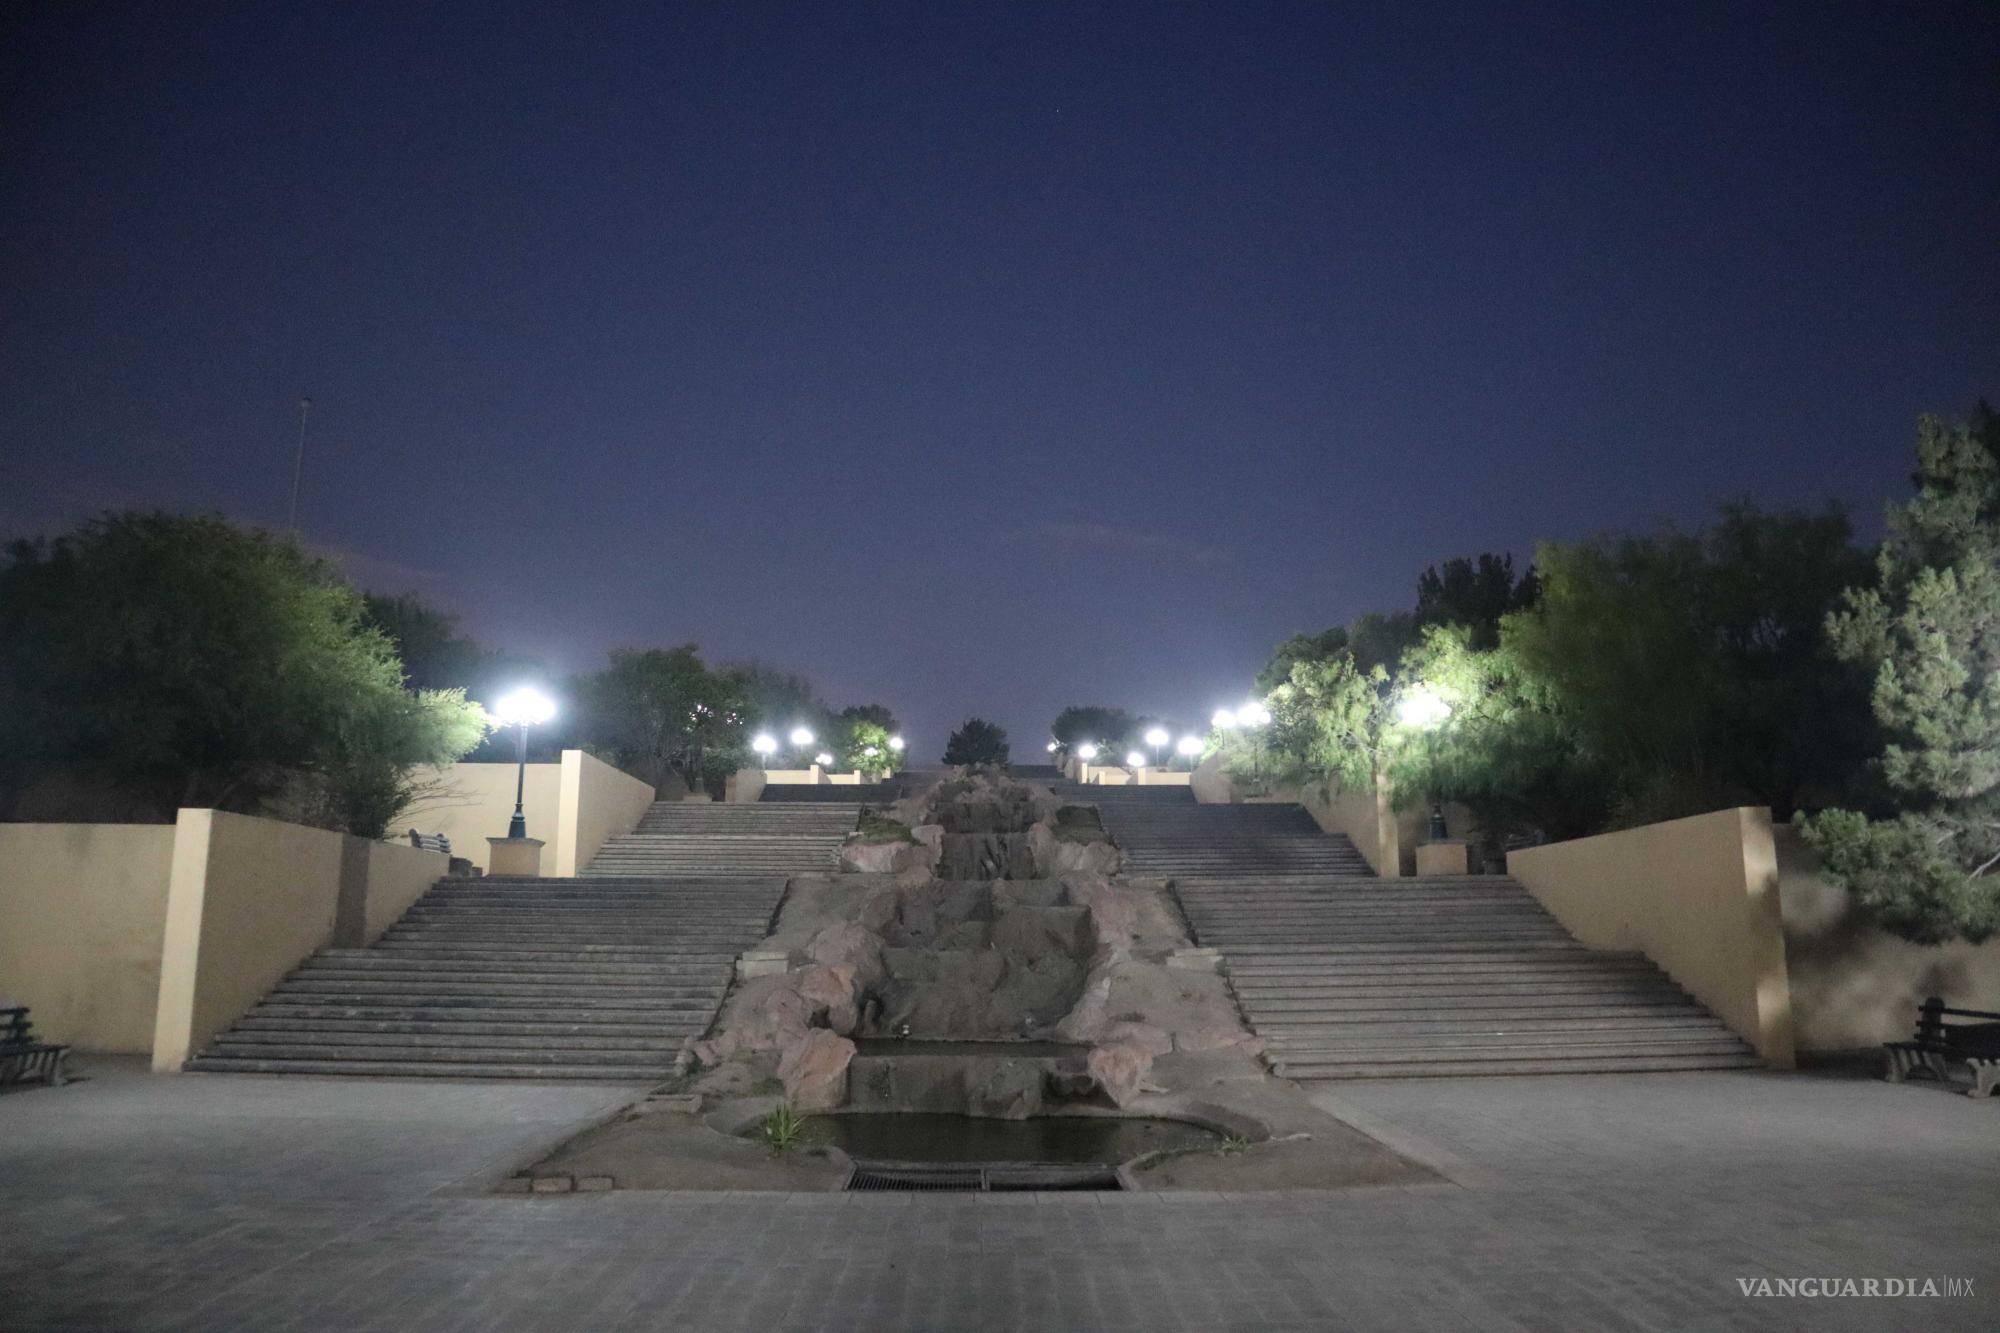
983 910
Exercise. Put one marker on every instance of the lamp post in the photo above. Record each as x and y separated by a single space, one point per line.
1423 709
765 746
1250 717
1086 752
1190 749
523 708
1135 761
1157 738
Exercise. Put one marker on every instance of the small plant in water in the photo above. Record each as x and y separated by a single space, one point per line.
781 1129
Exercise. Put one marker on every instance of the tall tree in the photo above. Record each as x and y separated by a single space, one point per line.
1929 630
657 712
1474 594
977 742
188 662
1110 729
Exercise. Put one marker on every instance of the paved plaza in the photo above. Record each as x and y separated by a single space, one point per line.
1591 1202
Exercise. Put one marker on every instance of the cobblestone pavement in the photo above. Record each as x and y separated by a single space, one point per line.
1604 1202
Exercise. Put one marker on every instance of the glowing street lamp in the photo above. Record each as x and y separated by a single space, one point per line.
1086 752
896 744
1252 714
1223 719
1423 709
1190 749
1054 746
524 707
1157 737
765 746
825 760
802 736
1134 760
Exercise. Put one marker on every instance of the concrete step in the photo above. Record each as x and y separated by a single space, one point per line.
551 965
555 1048
670 1027
311 983
1627 1039
1525 1062
557 1003
1298 1017
231 1064
281 1011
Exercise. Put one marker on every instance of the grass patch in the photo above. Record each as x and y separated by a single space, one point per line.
881 828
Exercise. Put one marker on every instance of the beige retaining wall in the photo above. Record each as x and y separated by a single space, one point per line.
1855 985
1697 896
83 912
136 939
595 802
470 803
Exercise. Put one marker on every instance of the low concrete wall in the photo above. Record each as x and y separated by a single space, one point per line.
1697 896
83 912
152 938
595 802
1855 985
1368 822
249 899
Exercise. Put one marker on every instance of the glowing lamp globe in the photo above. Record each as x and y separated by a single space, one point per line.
823 759
1422 708
763 744
525 707
1189 746
1086 752
802 736
1157 737
1133 759
1223 719
896 744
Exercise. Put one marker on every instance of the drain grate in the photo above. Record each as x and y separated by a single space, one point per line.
990 1179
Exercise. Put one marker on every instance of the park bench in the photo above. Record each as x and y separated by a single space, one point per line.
430 842
22 1057
1938 1044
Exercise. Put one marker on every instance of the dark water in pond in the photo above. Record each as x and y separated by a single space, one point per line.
926 1046
957 1138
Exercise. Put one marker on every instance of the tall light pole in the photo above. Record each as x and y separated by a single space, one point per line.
1157 738
1189 748
298 466
523 708
1423 709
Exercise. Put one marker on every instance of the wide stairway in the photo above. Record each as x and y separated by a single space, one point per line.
1165 833
1348 975
1361 977
589 978
710 839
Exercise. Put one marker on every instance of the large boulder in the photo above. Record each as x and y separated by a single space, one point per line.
1086 1019
1120 1070
871 858
814 1071
848 944
829 993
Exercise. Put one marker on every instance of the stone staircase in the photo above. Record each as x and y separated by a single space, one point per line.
800 793
591 978
1172 837
712 839
1360 977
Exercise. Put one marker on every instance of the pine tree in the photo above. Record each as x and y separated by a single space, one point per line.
1930 631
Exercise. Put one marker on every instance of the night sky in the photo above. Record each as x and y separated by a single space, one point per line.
981 358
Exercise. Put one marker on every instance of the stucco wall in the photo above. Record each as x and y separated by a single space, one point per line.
82 917
596 802
470 803
250 899
1855 985
1697 896
394 877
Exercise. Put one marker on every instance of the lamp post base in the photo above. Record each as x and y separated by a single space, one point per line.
514 856
1442 858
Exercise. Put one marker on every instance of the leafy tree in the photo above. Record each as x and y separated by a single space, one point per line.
1689 669
187 662
778 701
1930 632
657 712
977 742
1111 729
1377 639
873 714
1475 594
863 746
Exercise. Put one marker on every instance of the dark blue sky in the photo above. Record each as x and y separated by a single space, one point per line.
982 358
